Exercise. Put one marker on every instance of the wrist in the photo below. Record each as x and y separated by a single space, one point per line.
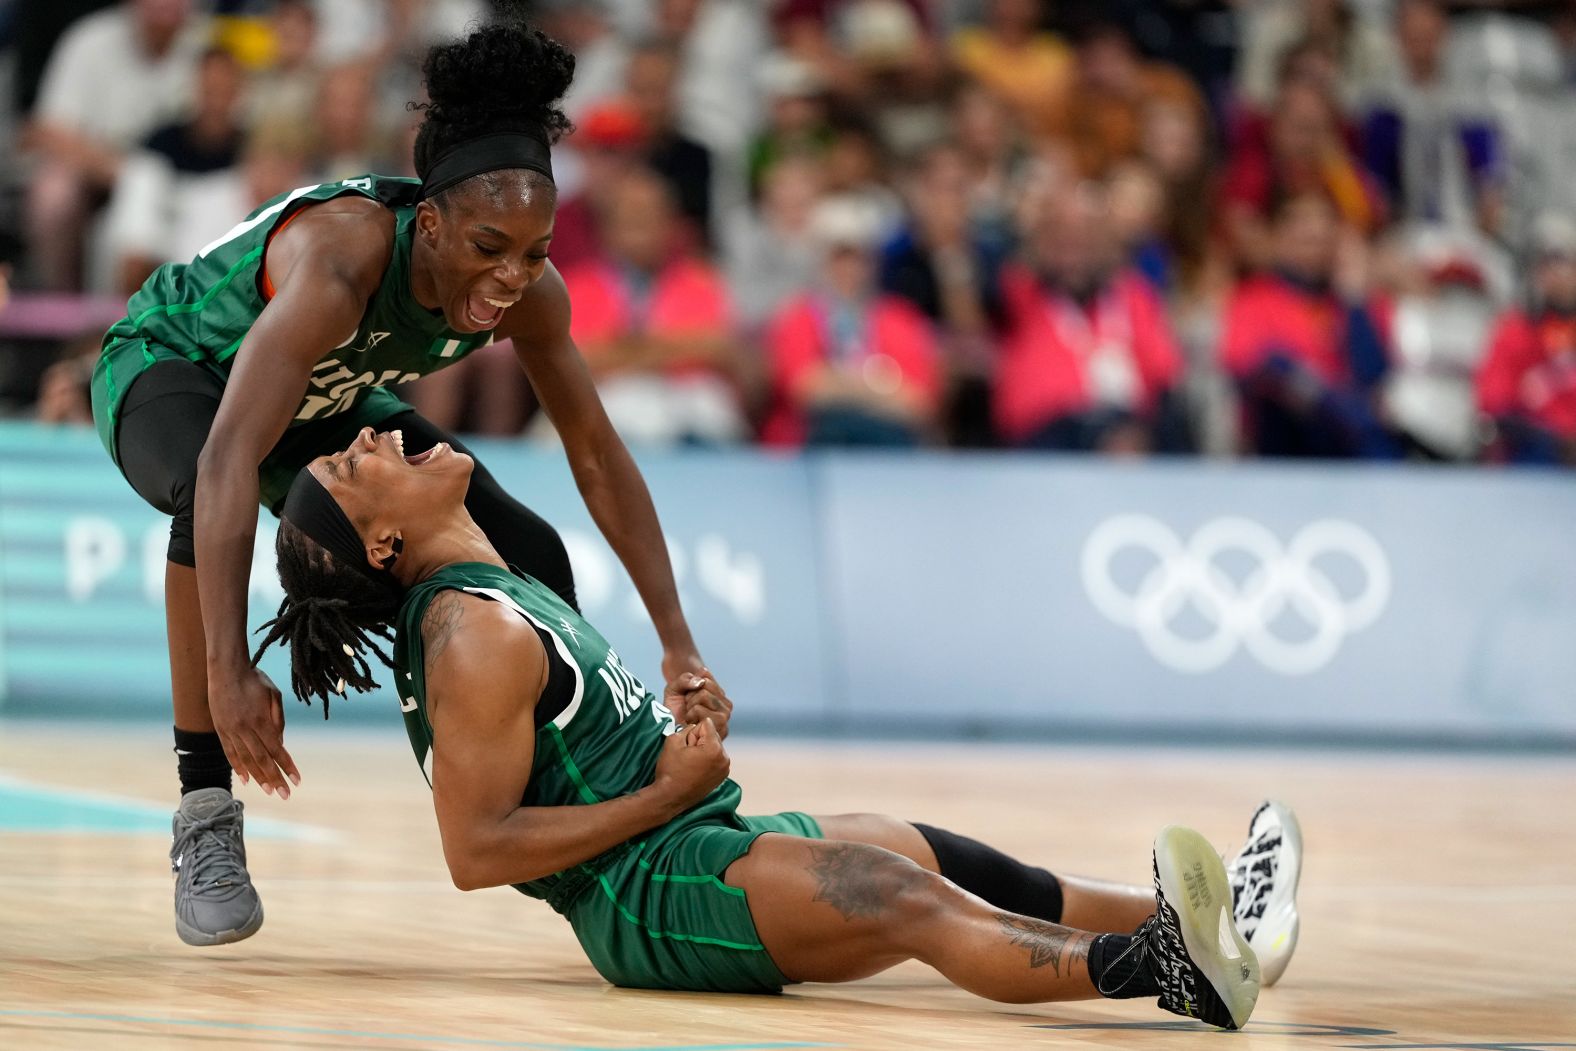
228 664
662 802
680 650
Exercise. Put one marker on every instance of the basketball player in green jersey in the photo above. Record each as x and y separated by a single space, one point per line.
553 769
280 341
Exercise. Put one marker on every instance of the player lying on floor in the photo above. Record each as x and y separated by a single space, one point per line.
554 770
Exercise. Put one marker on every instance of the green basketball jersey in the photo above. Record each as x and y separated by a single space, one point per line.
605 742
201 311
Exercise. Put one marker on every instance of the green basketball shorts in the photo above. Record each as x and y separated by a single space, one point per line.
661 917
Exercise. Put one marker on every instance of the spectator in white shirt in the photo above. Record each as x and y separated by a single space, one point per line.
114 77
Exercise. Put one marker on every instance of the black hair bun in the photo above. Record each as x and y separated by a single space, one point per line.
502 77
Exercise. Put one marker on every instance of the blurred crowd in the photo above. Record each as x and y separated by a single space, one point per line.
1309 228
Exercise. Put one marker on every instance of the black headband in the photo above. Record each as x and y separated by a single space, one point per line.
488 153
311 509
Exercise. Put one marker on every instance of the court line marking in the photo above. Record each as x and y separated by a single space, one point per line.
263 826
306 1030
163 1037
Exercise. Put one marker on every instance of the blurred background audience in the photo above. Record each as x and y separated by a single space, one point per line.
1327 228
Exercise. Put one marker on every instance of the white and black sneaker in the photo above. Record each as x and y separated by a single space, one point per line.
1203 966
1264 878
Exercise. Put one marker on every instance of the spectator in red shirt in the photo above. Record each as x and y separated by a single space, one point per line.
851 365
1304 151
1088 358
1306 344
1527 384
656 324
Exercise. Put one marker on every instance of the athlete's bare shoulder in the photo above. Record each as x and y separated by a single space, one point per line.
460 620
351 237
479 649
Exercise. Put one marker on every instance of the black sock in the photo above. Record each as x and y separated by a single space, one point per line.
1119 980
201 761
1005 882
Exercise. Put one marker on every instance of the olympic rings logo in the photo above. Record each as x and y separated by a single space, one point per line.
1238 613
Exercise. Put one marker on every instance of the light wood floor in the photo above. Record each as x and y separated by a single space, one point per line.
1439 905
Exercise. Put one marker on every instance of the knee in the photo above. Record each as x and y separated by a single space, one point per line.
922 898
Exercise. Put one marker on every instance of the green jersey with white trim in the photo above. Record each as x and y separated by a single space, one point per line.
201 311
602 745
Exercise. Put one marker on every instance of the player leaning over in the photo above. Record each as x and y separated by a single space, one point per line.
279 342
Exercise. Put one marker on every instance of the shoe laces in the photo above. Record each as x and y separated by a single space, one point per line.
206 848
1145 944
1253 873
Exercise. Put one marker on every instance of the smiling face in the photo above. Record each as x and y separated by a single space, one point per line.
482 246
382 491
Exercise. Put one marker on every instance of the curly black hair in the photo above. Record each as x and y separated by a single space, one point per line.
502 77
330 617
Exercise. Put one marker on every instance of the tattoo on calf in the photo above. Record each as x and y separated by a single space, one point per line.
860 881
440 622
1047 943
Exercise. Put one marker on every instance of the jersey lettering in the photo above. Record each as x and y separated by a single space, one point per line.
334 387
358 184
663 714
626 689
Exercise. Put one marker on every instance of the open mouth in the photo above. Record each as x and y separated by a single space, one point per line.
441 449
484 311
397 438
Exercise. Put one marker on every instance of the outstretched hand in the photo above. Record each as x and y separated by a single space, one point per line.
693 696
248 714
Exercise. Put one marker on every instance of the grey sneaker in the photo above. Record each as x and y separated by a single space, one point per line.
214 899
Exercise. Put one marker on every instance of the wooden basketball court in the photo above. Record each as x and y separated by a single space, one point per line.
1438 902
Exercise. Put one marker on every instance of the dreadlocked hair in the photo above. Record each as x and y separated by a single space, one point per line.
330 619
502 77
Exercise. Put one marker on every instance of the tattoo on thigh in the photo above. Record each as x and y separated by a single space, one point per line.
859 881
1047 943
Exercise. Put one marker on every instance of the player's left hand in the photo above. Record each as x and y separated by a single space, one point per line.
693 696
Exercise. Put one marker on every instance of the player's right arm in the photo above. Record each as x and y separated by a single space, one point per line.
324 267
485 673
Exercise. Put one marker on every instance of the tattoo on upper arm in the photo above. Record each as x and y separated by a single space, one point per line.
1048 943
441 621
861 881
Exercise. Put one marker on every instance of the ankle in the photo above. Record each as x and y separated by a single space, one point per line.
200 761
1118 969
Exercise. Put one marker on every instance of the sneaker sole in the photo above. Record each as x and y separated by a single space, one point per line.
192 936
1275 939
1193 879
